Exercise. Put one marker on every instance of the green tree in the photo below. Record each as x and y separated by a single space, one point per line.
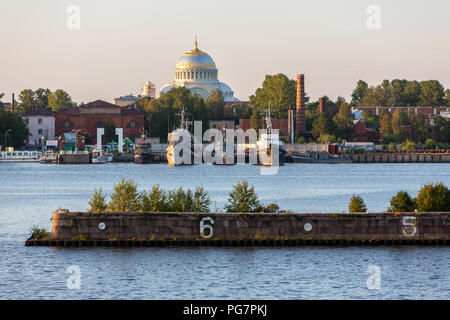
322 126
59 100
154 201
402 202
343 120
162 113
359 93
243 199
201 201
125 197
180 200
327 139
419 126
1 103
98 201
399 125
370 120
13 128
411 93
356 204
385 123
216 105
430 144
27 100
431 93
255 120
433 197
41 97
446 99
277 92
441 130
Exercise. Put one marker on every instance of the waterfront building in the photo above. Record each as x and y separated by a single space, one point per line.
148 90
40 123
430 112
197 71
126 101
88 117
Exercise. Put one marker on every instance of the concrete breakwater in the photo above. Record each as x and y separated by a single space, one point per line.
159 229
401 158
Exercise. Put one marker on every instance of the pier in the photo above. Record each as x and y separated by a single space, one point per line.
245 229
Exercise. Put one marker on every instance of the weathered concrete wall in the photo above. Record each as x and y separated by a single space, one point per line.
230 226
75 158
400 158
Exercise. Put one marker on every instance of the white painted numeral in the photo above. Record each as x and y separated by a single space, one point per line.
204 227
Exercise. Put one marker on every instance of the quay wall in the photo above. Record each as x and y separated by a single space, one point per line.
400 158
234 226
73 158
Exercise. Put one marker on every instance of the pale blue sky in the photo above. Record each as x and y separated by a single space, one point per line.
124 43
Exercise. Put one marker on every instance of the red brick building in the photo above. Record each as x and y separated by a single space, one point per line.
88 117
430 112
360 133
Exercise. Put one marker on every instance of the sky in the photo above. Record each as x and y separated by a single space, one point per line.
121 44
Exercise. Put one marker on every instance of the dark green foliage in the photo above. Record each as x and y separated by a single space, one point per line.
402 202
154 201
243 199
38 233
98 201
356 204
125 197
433 197
18 129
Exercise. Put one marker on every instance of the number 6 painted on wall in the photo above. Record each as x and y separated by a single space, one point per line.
208 227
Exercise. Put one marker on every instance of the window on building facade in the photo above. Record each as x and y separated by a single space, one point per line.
67 124
40 131
98 124
39 121
132 124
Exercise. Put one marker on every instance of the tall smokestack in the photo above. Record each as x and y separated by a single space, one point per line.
12 103
321 105
300 125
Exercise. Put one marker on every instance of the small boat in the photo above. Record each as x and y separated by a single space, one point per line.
143 153
100 159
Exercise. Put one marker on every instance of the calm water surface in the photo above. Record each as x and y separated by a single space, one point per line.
29 193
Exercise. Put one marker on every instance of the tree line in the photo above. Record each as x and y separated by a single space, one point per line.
243 199
42 98
401 93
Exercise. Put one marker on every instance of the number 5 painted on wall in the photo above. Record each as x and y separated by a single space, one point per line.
204 227
409 228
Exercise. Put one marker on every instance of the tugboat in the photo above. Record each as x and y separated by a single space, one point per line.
173 139
266 143
143 153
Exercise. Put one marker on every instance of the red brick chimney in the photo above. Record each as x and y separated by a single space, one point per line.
321 105
300 125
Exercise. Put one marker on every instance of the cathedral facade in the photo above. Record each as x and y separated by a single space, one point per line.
197 72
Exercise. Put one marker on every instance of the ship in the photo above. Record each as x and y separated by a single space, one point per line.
143 153
266 142
175 137
318 157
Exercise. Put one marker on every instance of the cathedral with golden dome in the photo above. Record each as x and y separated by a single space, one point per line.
197 72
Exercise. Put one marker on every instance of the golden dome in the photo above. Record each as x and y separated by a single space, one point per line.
196 59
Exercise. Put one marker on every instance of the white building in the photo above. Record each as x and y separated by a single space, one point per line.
149 90
40 123
197 71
